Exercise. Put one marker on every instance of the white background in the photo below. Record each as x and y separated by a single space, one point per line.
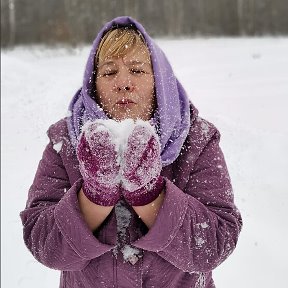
241 85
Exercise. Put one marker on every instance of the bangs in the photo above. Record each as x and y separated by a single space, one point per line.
118 42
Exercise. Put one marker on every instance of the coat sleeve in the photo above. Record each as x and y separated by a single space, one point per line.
197 228
53 227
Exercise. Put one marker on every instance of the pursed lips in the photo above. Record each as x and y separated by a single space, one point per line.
125 101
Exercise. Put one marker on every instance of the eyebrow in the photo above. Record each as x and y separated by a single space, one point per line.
106 63
131 62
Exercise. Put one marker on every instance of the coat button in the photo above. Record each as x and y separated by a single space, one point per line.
133 259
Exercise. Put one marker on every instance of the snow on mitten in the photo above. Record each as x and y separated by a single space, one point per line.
97 155
141 166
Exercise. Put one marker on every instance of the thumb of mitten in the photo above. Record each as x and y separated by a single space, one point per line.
142 166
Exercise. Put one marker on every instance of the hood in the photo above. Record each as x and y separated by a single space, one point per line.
173 107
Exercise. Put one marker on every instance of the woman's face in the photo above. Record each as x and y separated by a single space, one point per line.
125 85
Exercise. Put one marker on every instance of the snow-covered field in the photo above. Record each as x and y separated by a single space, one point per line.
241 85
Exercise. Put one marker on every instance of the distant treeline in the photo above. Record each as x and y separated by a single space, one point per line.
78 21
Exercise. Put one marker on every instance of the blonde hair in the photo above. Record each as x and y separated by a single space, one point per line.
118 42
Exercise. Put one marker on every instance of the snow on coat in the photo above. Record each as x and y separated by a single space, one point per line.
196 229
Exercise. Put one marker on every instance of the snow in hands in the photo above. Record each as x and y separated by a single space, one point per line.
121 132
98 165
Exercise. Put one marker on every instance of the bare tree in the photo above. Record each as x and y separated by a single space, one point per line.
78 21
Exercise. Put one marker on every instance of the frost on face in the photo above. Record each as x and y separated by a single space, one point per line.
57 147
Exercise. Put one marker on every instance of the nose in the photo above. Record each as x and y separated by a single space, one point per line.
123 82
123 88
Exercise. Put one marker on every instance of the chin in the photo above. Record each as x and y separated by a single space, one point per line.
126 116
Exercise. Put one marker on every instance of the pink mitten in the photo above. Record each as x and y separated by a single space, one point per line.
97 155
141 166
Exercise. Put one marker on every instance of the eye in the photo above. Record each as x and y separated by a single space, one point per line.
137 71
108 73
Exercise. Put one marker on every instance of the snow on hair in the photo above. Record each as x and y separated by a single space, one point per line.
118 42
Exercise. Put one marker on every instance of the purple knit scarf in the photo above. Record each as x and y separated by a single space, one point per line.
173 113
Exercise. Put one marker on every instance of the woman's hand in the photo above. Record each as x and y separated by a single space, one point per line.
141 166
97 155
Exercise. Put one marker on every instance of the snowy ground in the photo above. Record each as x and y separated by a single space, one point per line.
241 85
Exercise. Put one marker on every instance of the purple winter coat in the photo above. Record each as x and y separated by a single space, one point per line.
196 229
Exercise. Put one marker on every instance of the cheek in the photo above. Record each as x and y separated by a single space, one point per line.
147 86
101 87
150 93
103 93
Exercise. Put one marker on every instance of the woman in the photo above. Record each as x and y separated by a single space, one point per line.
133 189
